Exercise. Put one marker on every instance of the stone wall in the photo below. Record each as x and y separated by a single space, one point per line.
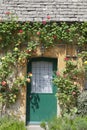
59 51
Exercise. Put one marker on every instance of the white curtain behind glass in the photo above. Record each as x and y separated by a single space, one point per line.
42 77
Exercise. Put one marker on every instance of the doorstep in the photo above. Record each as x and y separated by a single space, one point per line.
34 127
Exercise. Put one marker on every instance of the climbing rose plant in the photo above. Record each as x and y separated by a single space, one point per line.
18 44
69 86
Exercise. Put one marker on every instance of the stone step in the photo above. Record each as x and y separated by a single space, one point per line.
34 127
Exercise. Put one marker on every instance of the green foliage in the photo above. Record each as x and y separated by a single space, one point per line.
18 43
67 123
82 103
43 125
14 33
10 123
68 88
83 55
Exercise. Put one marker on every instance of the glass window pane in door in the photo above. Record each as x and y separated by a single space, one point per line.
42 77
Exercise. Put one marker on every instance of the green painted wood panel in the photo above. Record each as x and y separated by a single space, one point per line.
41 106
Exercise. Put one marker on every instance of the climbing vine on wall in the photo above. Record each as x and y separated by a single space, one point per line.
69 86
18 43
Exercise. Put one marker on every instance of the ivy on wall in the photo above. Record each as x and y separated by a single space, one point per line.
18 43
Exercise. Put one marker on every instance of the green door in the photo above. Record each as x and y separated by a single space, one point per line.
41 101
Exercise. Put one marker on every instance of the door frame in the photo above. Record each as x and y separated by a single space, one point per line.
29 68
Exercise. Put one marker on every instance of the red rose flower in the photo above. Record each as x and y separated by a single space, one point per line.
20 31
3 83
73 93
66 59
48 17
54 36
8 13
38 33
57 73
44 22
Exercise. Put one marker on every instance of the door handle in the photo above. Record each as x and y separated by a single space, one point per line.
30 97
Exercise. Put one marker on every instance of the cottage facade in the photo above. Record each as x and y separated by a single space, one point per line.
38 102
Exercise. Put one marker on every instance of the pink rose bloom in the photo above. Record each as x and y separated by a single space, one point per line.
8 13
66 59
73 93
48 17
38 33
3 83
20 31
44 22
57 73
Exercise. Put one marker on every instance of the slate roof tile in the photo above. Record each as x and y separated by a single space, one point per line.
37 10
